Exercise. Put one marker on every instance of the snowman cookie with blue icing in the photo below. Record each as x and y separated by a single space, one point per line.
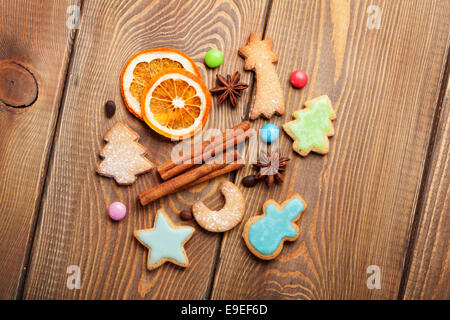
265 234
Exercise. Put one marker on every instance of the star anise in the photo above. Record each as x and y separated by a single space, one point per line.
230 88
271 167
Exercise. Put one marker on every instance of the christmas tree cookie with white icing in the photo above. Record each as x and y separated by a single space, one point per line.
123 157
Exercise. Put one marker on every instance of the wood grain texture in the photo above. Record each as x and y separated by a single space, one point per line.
361 196
34 48
429 275
74 227
18 86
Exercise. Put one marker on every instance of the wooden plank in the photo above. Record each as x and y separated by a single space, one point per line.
384 84
75 229
429 274
34 48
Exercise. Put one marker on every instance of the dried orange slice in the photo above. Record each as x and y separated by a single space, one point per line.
143 66
176 104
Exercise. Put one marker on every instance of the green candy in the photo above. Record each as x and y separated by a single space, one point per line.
214 58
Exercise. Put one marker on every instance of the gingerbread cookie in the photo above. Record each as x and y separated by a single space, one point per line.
226 218
259 57
265 234
165 242
122 156
312 126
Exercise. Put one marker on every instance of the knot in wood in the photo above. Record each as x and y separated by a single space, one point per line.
18 86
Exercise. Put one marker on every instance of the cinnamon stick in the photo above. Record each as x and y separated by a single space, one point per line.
169 164
229 168
178 183
196 151
205 156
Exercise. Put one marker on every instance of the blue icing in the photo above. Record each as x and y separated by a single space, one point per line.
266 234
165 241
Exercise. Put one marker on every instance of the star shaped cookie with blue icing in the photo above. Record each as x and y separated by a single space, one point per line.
165 242
265 234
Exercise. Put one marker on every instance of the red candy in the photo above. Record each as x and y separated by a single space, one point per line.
298 78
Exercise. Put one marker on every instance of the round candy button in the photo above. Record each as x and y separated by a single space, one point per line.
213 58
117 211
298 78
269 133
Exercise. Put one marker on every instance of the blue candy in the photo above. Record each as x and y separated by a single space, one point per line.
269 133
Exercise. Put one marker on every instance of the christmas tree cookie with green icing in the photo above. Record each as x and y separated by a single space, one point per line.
165 242
312 126
265 234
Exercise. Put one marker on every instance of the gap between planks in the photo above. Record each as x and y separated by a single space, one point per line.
233 175
46 169
425 179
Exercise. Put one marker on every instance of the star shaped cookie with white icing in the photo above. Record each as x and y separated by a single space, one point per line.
165 242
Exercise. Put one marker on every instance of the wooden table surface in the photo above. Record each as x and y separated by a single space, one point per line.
379 198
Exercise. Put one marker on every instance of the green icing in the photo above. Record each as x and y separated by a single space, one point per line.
311 124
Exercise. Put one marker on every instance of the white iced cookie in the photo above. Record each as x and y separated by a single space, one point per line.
123 157
226 218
